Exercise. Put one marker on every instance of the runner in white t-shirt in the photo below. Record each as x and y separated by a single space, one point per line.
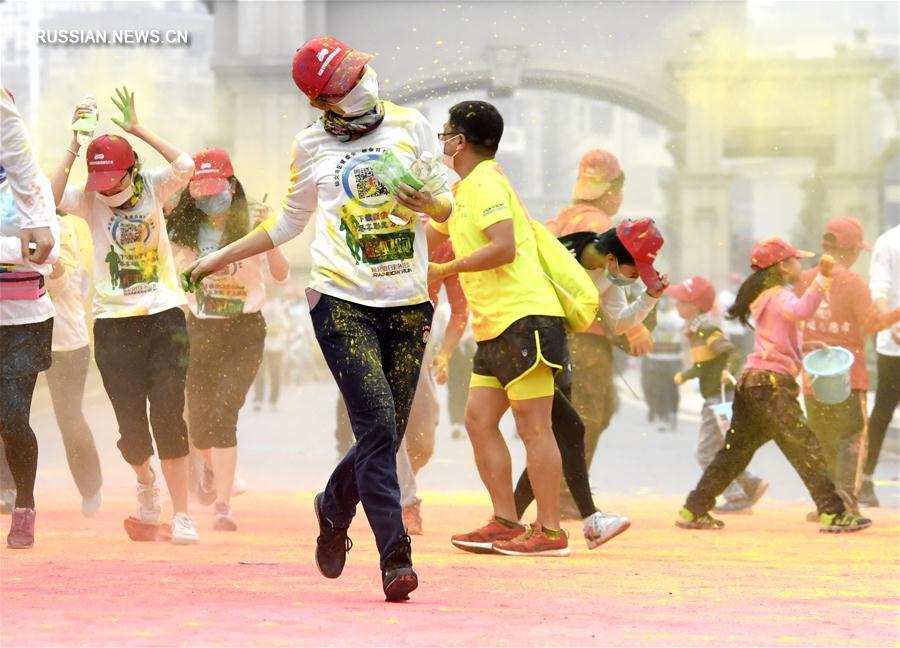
225 326
140 339
368 291
26 313
69 284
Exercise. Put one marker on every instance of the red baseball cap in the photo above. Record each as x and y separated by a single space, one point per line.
697 291
108 158
596 171
643 240
844 233
212 169
772 250
325 65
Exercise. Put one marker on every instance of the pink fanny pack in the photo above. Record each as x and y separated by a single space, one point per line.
21 285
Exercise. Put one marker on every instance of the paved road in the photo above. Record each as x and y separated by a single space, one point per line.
292 448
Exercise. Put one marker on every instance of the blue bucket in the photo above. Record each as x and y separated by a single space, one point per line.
829 372
723 412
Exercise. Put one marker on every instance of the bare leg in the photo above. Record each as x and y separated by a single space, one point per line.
542 455
485 408
176 473
223 463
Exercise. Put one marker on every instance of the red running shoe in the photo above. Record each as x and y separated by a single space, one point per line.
21 529
482 540
534 542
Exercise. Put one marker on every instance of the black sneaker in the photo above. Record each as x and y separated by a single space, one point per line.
687 520
867 495
332 544
397 575
842 523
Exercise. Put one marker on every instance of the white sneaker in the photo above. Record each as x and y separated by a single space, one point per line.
91 504
238 486
149 508
183 531
603 527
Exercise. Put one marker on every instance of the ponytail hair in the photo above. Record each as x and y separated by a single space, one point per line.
184 222
753 287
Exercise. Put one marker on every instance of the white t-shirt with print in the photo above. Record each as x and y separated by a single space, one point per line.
68 292
134 272
359 254
235 289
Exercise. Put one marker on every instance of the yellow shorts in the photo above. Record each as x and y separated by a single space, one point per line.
535 383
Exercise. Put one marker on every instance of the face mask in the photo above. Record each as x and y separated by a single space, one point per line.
618 279
117 199
216 204
363 97
448 159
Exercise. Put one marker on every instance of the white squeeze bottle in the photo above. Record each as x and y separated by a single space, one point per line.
85 125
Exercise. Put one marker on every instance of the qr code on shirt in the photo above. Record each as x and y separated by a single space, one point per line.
367 185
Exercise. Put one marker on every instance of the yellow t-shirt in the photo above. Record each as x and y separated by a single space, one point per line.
500 296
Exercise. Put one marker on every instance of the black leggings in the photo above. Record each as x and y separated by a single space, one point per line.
887 396
24 353
568 429
18 437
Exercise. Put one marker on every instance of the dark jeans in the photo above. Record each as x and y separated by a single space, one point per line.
66 377
24 352
766 409
569 432
144 358
887 397
225 356
270 371
839 429
375 355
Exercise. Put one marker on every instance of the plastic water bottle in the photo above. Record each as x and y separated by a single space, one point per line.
423 168
85 125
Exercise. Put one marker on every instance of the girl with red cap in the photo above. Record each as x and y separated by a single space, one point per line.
765 403
225 325
631 250
368 291
140 339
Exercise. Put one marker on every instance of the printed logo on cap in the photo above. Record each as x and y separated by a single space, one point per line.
322 54
99 156
206 165
328 60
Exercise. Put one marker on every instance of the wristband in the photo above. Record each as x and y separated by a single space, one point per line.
72 152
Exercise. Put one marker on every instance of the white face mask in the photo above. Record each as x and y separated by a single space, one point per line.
117 199
448 159
363 97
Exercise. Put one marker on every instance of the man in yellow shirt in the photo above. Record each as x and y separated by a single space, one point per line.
518 325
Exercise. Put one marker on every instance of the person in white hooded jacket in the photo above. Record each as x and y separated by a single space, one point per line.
29 245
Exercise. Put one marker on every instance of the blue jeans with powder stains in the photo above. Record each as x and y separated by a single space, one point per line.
375 355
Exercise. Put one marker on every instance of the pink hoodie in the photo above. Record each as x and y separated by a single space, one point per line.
779 314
